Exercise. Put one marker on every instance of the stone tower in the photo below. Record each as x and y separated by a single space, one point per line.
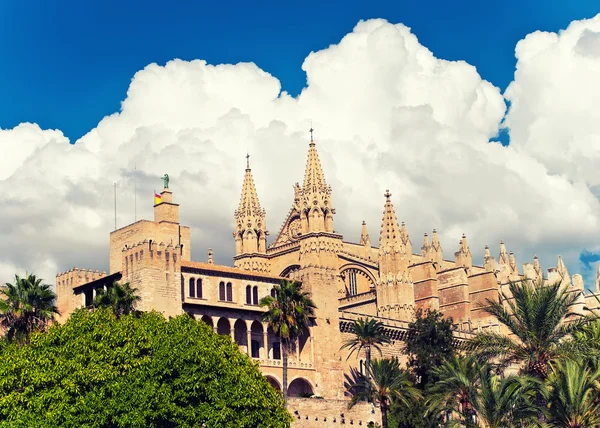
395 295
318 270
250 228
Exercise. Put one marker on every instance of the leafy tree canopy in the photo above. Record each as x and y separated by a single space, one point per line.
429 344
136 371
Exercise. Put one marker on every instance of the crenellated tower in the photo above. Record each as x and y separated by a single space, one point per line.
395 295
250 228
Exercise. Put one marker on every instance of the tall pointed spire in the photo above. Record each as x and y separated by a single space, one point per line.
436 247
313 200
395 284
250 233
489 263
364 235
389 237
463 256
365 241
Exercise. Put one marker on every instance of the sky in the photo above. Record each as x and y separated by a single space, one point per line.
403 95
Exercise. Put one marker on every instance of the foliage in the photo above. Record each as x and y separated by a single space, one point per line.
385 383
100 371
574 391
367 334
120 298
429 344
541 318
25 307
288 314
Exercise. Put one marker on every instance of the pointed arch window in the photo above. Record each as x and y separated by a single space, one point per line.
248 295
199 288
273 293
255 295
229 292
352 282
192 287
221 290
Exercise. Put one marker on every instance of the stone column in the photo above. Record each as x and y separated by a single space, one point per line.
232 329
215 321
266 342
249 338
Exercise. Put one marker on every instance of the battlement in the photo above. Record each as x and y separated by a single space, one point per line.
151 254
76 277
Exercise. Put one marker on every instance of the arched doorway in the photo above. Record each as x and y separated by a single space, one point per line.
207 320
274 383
300 388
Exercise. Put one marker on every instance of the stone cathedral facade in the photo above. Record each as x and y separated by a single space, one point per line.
387 279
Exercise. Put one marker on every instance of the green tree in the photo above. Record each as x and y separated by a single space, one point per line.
541 320
457 388
504 402
26 306
430 342
120 298
573 399
136 371
366 335
288 314
384 384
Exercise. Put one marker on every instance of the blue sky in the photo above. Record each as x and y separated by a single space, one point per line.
66 65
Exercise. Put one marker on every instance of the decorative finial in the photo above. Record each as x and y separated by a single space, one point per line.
210 256
247 160
387 194
166 180
311 133
364 222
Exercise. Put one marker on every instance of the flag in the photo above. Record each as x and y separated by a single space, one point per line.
157 198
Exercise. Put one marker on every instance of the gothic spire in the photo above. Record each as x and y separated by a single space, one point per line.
250 234
313 200
389 236
489 263
364 235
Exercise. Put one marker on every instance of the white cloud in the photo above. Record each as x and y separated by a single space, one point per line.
387 114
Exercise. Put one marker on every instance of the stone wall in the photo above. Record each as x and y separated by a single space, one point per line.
321 413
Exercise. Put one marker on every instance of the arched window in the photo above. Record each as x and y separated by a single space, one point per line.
248 295
199 288
276 351
192 288
229 292
352 282
255 295
273 293
255 349
222 291
361 367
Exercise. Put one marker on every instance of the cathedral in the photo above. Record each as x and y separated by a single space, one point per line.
387 279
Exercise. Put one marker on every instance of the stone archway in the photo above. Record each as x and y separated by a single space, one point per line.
300 387
273 382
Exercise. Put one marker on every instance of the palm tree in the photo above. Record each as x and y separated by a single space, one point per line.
457 388
120 298
288 315
384 383
504 402
26 306
367 334
542 321
573 399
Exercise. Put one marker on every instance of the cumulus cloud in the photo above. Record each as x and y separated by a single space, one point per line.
388 114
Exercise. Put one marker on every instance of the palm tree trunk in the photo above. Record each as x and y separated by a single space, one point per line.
284 388
368 359
384 421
